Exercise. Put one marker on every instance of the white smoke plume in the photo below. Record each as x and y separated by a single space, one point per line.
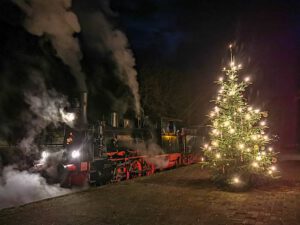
54 19
125 62
21 187
103 37
47 107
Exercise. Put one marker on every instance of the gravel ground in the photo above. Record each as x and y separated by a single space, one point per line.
184 196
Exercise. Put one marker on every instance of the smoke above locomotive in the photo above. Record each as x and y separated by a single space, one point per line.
67 51
70 49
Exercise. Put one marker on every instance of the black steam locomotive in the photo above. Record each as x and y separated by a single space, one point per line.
116 148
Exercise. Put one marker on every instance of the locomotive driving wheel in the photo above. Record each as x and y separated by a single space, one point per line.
120 172
148 168
135 169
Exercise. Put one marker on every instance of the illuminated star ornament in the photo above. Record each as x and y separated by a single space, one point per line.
239 147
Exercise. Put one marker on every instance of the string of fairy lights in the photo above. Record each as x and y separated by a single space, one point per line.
239 143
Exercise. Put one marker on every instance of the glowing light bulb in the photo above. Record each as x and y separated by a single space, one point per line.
212 114
215 131
255 164
266 137
226 123
232 64
206 146
202 159
230 46
263 123
232 92
258 158
250 108
247 79
218 155
270 149
248 150
217 109
254 137
273 168
221 79
241 146
236 180
224 68
231 131
240 109
263 153
270 172
45 154
240 65
256 110
215 143
247 117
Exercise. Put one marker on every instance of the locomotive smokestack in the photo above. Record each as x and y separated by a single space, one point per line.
83 105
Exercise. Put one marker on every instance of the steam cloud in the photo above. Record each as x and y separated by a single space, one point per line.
153 151
47 107
55 20
103 37
21 187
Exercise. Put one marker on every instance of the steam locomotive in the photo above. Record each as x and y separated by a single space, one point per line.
119 148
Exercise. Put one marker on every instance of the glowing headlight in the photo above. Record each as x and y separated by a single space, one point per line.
45 154
75 154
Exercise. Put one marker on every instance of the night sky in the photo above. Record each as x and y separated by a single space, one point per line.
184 40
192 36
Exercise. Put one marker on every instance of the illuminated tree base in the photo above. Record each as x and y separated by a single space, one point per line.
244 184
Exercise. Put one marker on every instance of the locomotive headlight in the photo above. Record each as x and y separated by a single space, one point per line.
75 154
45 154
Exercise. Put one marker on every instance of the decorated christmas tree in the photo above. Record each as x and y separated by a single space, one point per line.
239 151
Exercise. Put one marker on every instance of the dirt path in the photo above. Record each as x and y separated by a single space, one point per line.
177 197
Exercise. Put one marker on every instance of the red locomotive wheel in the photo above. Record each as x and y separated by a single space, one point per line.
148 168
120 173
135 169
185 160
